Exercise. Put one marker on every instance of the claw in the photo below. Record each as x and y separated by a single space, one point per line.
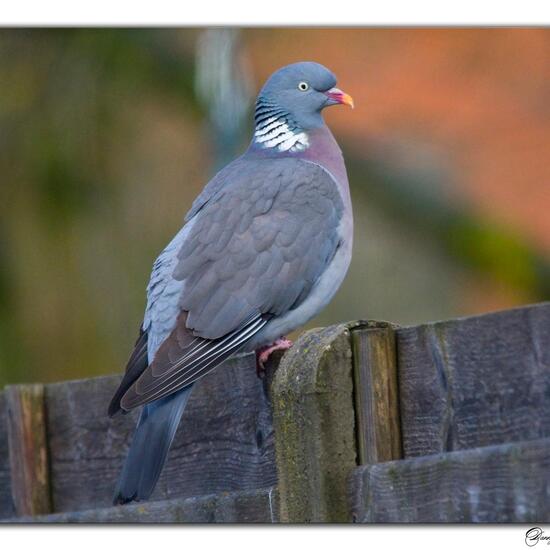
263 353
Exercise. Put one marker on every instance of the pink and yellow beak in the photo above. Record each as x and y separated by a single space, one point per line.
337 96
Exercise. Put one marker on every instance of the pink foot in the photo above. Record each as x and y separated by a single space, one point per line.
263 353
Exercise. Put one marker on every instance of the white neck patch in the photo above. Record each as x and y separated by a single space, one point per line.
278 132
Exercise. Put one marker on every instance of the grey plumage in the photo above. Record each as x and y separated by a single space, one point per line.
265 247
258 244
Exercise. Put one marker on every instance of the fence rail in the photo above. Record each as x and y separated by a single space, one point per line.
498 483
364 421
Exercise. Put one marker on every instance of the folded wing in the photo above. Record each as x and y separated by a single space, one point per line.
260 239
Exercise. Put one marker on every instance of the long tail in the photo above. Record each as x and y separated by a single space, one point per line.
152 439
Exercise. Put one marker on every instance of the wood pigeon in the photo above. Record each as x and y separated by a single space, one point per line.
264 248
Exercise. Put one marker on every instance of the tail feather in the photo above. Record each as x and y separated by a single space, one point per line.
154 434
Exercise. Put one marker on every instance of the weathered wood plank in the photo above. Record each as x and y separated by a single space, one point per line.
375 390
28 449
477 381
312 396
500 483
224 443
6 502
259 506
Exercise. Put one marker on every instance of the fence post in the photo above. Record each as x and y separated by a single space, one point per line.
313 418
28 450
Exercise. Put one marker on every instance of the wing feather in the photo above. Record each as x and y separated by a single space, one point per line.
181 361
134 369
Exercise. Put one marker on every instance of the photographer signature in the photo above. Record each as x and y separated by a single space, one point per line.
534 535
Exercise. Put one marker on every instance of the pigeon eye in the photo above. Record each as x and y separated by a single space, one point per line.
303 86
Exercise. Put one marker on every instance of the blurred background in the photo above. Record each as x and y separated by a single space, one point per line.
106 137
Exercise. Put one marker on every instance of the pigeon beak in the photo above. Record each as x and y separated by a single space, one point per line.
338 97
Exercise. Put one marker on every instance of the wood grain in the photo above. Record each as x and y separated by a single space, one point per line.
500 483
28 450
224 442
258 506
375 391
473 382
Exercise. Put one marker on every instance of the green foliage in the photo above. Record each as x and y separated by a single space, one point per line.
498 251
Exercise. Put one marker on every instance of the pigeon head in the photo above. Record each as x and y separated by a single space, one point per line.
291 102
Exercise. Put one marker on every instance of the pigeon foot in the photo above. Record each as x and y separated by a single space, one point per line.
263 353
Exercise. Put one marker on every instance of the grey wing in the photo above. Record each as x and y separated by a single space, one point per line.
259 245
253 251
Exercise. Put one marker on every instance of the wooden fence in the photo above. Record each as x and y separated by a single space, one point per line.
364 422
